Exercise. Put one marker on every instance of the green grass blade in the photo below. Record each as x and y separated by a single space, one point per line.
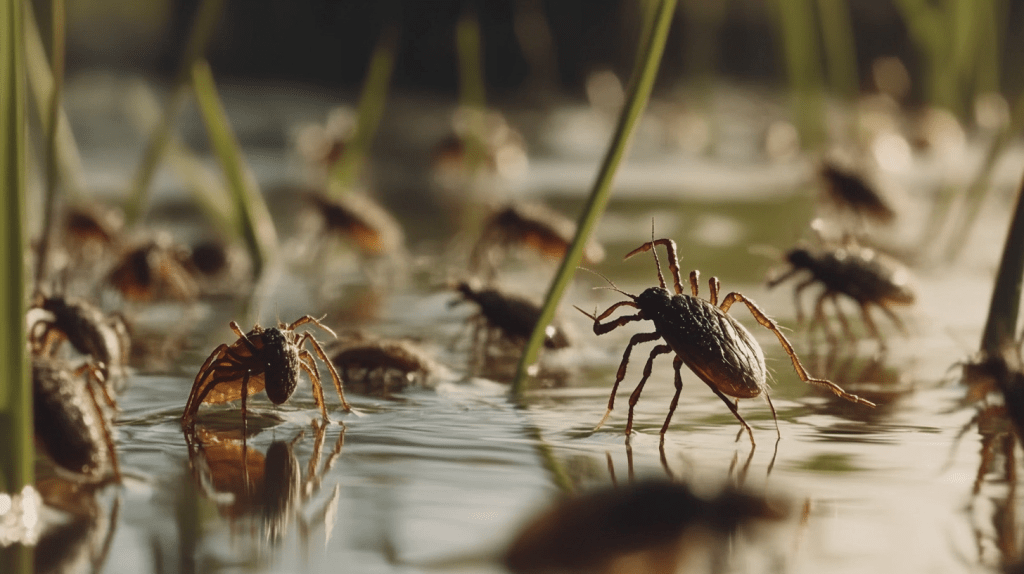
840 47
52 176
41 83
639 93
800 46
203 27
345 171
472 96
251 212
1005 304
16 447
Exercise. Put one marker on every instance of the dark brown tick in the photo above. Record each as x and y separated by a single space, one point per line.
860 273
387 358
154 270
850 191
70 423
53 320
716 347
534 226
354 215
512 315
261 359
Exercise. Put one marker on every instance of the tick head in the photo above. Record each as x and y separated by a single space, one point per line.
800 257
653 298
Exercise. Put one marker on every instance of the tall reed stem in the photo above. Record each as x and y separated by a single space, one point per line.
16 449
203 26
52 174
640 91
1005 304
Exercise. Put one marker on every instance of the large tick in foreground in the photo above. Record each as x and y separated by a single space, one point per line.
262 358
701 334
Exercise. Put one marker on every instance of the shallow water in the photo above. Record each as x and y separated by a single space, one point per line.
439 476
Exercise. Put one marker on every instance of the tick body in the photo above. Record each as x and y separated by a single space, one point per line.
355 216
532 226
71 424
155 270
262 359
380 361
859 273
53 320
850 191
701 335
513 316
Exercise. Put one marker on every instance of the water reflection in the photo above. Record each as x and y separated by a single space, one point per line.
80 541
265 489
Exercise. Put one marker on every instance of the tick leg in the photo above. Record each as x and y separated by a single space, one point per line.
635 396
314 379
621 374
796 298
694 278
895 319
242 336
821 320
774 416
330 367
771 326
834 297
308 319
714 285
197 394
602 328
108 439
245 392
673 260
677 364
609 310
869 324
735 412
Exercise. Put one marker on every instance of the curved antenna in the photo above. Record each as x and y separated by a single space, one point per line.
657 263
613 287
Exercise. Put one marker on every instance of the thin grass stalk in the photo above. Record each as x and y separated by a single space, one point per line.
472 96
1004 307
203 26
41 83
345 171
800 46
16 448
52 176
978 190
639 92
840 47
204 185
251 212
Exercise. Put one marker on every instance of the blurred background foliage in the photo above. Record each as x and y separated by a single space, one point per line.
330 42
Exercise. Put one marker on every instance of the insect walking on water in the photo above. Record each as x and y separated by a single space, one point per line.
860 273
262 359
701 334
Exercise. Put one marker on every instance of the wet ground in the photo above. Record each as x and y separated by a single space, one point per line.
435 476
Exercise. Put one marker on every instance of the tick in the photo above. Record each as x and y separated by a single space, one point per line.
382 362
510 315
261 359
71 424
701 334
860 273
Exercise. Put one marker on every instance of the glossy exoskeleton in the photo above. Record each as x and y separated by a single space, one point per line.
527 226
261 359
105 339
701 334
383 358
513 316
860 273
648 522
73 419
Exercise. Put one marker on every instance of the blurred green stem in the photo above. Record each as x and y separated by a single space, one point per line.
41 83
251 213
796 20
345 171
1005 305
16 448
471 85
203 26
639 93
52 175
840 47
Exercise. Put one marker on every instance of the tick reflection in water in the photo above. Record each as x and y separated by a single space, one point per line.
268 486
